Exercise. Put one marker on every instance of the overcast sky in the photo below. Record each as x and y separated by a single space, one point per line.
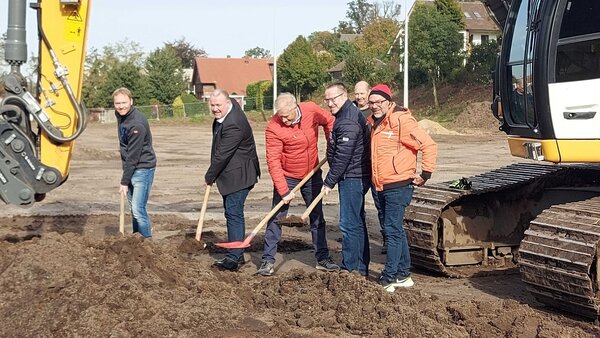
221 28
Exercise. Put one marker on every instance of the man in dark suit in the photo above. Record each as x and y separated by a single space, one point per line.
234 167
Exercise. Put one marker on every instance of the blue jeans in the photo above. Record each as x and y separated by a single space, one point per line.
394 202
138 191
355 240
234 215
374 193
309 191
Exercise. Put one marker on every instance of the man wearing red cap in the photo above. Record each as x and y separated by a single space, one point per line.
396 139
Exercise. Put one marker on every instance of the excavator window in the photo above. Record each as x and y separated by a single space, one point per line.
521 95
578 50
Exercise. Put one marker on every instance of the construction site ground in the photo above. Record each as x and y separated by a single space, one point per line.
66 271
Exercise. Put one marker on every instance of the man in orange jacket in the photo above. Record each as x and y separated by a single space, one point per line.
291 141
396 139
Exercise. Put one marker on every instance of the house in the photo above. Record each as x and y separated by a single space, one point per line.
230 74
479 26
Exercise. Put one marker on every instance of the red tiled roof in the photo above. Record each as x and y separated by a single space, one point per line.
232 74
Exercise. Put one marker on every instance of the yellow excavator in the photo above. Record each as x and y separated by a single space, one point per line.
38 126
544 214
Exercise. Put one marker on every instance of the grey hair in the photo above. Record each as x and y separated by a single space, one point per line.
284 100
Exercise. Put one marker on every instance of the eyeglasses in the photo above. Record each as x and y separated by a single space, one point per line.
378 103
333 98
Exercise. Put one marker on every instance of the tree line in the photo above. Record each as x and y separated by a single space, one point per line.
375 55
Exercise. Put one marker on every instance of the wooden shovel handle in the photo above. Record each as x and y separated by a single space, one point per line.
312 205
281 203
122 215
202 213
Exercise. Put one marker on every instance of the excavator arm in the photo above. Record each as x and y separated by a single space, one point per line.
39 123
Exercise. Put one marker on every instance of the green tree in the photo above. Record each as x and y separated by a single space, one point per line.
377 37
129 75
165 75
451 9
342 49
299 70
482 60
362 66
360 13
257 53
186 51
99 67
323 40
435 45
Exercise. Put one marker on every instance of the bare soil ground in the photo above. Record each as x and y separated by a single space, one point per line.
65 271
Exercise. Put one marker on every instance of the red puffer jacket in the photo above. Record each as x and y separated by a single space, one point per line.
292 151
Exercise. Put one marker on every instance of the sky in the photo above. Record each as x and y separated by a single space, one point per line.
221 28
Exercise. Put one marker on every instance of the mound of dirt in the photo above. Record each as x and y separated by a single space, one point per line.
434 128
68 284
476 117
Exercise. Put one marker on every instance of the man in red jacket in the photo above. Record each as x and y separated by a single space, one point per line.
291 141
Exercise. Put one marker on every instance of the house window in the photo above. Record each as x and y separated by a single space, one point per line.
478 16
467 15
485 38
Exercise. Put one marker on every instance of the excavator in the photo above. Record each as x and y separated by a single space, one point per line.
39 122
542 214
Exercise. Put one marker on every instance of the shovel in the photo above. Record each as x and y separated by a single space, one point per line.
295 221
246 242
122 215
202 213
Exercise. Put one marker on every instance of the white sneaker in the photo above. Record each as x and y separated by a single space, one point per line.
404 283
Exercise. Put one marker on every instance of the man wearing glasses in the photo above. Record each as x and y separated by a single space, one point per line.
396 139
348 155
291 142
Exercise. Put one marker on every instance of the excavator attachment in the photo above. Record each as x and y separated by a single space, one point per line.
39 122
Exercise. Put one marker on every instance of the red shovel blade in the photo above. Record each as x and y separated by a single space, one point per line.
233 245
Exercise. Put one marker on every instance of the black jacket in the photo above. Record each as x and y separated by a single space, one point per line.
135 143
233 159
349 148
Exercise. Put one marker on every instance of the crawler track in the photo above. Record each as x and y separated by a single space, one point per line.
449 228
559 257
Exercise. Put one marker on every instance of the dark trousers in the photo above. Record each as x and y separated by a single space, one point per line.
234 214
394 202
355 240
309 192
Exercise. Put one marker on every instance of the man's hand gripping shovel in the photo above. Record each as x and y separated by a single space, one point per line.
246 242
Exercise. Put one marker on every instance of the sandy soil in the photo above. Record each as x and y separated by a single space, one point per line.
65 271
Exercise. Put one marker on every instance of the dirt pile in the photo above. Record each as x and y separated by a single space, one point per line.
476 118
68 284
434 128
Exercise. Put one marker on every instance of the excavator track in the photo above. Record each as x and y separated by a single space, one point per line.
449 227
558 257
547 215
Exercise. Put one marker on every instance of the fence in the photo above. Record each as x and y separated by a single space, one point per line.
158 112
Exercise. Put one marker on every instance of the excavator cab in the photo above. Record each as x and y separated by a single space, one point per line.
547 79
